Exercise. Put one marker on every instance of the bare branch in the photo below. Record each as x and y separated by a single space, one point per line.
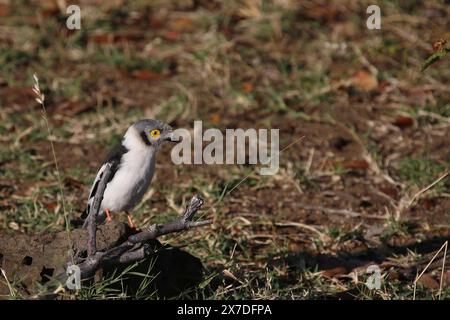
94 209
135 247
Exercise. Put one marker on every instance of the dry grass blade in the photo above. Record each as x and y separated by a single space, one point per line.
40 99
443 247
418 194
442 271
11 290
299 225
277 154
404 203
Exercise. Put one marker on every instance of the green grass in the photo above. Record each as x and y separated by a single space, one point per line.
422 172
129 61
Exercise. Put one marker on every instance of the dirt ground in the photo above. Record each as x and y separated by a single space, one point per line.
365 185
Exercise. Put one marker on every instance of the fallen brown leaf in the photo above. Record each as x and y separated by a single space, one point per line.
403 122
171 35
393 275
390 191
51 206
330 273
357 164
101 38
146 75
247 87
4 9
180 24
439 45
73 107
215 118
71 182
428 281
365 81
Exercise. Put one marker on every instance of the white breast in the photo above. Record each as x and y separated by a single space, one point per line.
130 181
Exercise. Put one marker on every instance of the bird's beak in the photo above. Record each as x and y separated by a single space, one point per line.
171 137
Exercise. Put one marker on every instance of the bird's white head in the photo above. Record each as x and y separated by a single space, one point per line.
148 134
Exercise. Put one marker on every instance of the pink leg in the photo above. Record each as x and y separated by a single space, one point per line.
108 215
130 220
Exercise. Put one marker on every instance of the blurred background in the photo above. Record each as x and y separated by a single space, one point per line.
376 131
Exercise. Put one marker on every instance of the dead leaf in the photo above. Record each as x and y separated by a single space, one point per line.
146 75
323 13
73 107
389 191
101 38
51 206
403 121
427 203
338 271
439 45
181 24
170 35
365 81
357 164
50 8
215 118
128 35
158 19
247 87
393 275
72 182
4 9
428 281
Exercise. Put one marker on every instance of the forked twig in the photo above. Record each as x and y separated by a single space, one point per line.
136 248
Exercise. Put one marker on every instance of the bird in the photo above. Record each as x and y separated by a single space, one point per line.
132 164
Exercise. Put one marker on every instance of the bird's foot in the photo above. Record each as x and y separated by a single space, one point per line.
130 221
108 215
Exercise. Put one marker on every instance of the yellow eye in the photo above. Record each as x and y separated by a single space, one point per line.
155 133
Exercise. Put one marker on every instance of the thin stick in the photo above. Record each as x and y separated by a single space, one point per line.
418 194
345 212
278 153
404 203
442 271
299 225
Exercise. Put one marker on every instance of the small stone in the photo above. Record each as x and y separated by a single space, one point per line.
13 225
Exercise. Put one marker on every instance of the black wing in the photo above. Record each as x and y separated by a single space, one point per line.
114 158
